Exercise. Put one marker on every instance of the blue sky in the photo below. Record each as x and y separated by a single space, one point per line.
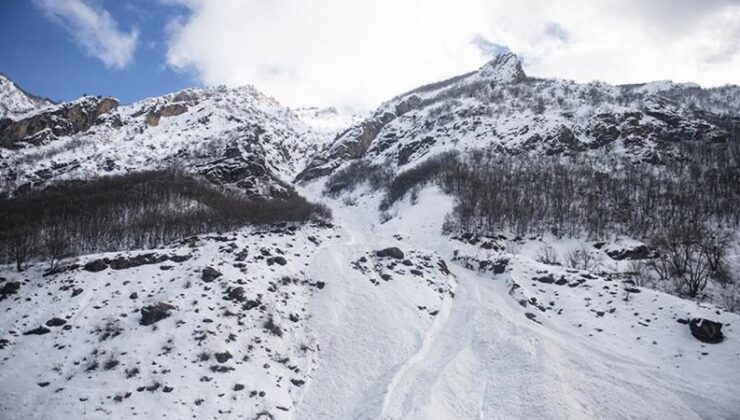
41 56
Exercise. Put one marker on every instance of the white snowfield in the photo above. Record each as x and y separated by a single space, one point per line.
363 337
483 358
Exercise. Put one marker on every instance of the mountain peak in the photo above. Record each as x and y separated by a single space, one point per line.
505 68
14 101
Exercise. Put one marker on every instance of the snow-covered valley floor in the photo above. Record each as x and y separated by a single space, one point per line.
432 335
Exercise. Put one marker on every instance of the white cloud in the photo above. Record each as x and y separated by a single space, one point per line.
351 52
94 30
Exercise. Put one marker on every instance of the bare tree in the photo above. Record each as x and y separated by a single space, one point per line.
682 259
20 247
56 247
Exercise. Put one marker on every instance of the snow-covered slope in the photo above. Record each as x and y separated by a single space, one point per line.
234 137
328 122
536 350
450 330
499 108
312 321
15 102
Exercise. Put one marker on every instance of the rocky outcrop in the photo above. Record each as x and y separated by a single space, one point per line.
358 141
504 68
64 120
169 110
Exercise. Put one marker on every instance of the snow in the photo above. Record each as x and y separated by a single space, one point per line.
328 122
440 334
168 352
482 357
15 103
664 85
418 345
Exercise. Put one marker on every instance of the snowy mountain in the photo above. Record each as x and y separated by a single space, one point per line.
15 102
499 108
234 137
388 310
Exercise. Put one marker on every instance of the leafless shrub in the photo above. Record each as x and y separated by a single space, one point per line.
111 328
547 255
682 258
356 173
638 271
271 326
580 259
731 298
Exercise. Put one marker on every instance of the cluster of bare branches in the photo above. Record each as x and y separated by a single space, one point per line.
134 211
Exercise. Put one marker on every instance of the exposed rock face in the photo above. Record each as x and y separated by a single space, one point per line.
169 110
64 120
504 68
706 331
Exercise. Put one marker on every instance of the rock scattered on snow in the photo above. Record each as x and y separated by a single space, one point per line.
706 331
155 313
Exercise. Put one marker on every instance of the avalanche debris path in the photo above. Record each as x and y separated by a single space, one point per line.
479 358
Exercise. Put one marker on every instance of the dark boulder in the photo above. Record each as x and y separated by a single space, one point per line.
210 274
392 252
154 313
251 304
96 266
639 252
37 331
223 357
9 288
277 260
236 294
706 331
180 258
123 263
548 279
55 322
